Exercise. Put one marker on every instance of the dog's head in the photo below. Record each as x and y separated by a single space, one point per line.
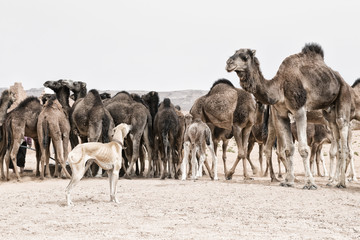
120 131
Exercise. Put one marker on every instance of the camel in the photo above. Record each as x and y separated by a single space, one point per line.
62 91
20 122
229 108
53 123
93 122
166 126
303 83
317 135
6 100
124 109
197 136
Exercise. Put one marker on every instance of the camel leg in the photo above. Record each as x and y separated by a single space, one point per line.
314 147
261 150
333 156
13 154
238 139
322 160
350 159
135 155
224 149
271 139
38 157
286 148
344 150
250 146
58 144
201 163
149 149
194 163
185 160
301 125
2 159
213 173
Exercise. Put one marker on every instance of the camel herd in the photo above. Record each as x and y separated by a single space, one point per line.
306 101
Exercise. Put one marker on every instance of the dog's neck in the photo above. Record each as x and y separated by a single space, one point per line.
117 141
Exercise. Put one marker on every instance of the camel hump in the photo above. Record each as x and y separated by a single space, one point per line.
167 102
219 108
356 83
222 81
313 48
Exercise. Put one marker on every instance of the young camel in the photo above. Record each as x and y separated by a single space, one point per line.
303 83
53 123
197 135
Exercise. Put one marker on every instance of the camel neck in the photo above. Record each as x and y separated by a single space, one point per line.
63 96
80 94
266 91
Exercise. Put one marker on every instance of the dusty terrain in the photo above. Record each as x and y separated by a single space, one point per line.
174 209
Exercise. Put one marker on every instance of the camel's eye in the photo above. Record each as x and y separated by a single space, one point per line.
244 58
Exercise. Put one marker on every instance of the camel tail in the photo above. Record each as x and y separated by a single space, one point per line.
313 48
266 122
207 136
9 137
105 129
150 129
45 132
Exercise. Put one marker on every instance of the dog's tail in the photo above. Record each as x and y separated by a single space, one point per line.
76 155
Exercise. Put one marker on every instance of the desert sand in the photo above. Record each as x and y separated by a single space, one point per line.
175 209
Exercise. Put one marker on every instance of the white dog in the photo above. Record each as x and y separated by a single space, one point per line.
106 155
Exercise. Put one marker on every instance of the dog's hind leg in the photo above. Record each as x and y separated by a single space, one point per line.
77 173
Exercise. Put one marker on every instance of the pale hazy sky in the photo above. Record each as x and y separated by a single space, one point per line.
166 45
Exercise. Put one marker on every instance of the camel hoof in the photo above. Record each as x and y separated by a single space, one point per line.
274 179
340 185
286 184
127 176
310 187
248 178
229 175
280 176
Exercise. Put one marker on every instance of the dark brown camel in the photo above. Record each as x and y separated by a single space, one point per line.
124 109
229 108
166 126
20 122
303 83
53 123
6 100
93 122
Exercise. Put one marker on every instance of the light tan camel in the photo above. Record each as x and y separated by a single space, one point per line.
53 124
230 108
303 83
196 137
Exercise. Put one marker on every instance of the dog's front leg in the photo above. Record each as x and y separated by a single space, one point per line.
113 178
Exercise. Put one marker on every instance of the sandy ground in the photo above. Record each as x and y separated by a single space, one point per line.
174 209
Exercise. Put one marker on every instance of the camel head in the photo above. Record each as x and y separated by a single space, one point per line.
53 85
243 62
75 86
7 97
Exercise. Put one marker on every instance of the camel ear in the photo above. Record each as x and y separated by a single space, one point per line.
253 52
